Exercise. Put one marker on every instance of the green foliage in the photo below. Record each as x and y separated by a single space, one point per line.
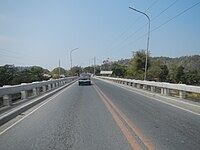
59 70
162 69
118 70
163 74
154 70
107 65
180 75
38 73
89 69
192 77
137 68
25 76
172 72
11 75
75 71
7 73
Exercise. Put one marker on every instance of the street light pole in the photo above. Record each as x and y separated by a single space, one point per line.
71 55
145 74
94 65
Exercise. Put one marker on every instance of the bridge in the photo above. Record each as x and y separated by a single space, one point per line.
112 113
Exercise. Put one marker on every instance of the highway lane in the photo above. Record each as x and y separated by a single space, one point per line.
167 127
75 119
103 116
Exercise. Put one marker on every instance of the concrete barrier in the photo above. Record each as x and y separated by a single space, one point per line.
9 113
163 87
34 89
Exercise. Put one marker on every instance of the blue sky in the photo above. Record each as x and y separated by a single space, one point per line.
40 32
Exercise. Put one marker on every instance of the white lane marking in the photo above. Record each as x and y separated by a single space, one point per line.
127 88
50 99
143 91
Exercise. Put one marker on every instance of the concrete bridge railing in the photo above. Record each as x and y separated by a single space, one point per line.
26 90
159 87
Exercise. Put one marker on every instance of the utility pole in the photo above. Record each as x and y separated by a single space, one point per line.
71 55
59 69
147 51
94 65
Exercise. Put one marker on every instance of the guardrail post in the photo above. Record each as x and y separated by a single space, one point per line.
24 94
35 91
7 100
44 88
162 91
182 94
57 84
134 84
166 92
153 88
49 87
53 85
138 86
144 87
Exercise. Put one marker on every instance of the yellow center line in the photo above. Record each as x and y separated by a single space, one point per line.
123 128
114 108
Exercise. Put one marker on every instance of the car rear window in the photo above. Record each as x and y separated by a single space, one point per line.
84 75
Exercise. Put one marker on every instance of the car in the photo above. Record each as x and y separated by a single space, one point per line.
84 79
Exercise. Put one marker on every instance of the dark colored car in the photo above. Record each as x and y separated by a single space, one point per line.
84 79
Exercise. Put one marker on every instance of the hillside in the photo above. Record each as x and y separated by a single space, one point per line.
190 63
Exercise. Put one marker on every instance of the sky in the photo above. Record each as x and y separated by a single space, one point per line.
42 32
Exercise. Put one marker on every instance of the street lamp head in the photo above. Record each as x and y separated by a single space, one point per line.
132 8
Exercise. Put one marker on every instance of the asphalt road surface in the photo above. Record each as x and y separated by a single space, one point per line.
102 117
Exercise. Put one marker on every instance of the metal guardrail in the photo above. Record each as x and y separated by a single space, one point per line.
26 90
163 87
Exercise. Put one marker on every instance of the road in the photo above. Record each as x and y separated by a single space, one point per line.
102 117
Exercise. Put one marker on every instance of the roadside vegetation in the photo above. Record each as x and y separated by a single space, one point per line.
185 70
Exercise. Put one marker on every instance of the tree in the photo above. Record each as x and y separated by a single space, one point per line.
154 70
89 69
39 73
180 75
56 70
75 71
163 73
118 70
137 68
7 73
107 65
24 76
172 66
192 77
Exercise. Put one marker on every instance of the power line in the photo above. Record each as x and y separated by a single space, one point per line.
164 10
136 20
154 18
17 54
184 11
156 28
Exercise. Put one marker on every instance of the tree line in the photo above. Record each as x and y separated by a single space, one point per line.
185 70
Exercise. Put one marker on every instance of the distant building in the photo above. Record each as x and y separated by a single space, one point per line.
106 73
